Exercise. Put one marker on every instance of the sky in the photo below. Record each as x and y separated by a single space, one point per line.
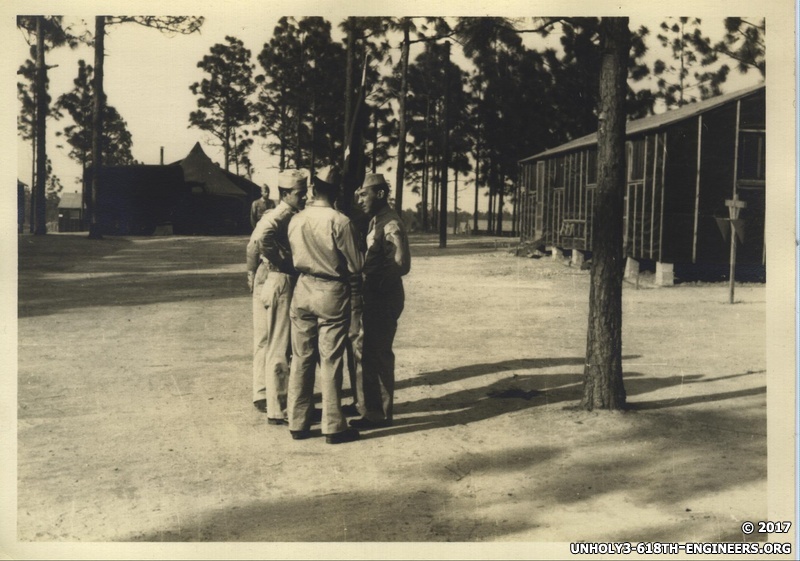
148 74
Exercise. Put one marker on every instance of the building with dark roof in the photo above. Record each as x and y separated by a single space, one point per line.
682 167
190 196
70 212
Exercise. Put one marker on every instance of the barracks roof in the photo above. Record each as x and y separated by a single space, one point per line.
653 122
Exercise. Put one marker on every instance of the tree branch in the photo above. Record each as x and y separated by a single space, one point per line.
434 38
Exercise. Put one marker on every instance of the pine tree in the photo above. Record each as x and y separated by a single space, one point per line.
692 73
117 140
224 96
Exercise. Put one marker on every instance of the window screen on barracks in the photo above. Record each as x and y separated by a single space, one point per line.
752 156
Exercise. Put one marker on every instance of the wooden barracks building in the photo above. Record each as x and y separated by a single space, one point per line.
682 166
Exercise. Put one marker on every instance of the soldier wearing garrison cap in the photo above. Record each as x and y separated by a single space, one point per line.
325 250
386 261
272 278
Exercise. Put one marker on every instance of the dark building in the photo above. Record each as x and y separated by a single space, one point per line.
70 213
682 166
190 196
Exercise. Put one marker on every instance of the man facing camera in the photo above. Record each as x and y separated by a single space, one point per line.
260 206
387 259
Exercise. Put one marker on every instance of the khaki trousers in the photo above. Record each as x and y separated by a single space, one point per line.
272 350
320 315
355 345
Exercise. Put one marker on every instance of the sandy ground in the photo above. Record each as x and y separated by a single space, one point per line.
135 421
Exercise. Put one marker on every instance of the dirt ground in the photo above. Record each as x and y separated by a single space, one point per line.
135 422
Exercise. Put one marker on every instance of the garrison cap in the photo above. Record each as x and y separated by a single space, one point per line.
374 180
292 179
328 175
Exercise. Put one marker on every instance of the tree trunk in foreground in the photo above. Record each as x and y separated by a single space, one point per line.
401 140
603 387
38 189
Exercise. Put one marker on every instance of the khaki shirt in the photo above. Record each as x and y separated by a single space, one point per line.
388 257
269 240
324 243
258 208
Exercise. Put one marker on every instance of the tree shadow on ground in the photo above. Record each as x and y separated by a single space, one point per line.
57 273
684 458
679 458
476 404
410 514
471 370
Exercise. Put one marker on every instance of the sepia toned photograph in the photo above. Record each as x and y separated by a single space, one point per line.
294 281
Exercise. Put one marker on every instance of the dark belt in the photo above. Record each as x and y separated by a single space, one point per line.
325 277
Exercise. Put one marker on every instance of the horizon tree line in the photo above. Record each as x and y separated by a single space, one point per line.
512 102
516 101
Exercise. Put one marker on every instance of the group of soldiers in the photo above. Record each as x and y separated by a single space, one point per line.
326 298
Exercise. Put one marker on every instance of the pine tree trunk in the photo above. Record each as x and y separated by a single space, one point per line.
455 203
445 152
401 142
514 217
424 207
492 196
313 156
603 385
226 144
348 81
97 124
236 151
425 170
34 151
434 215
282 151
298 119
40 218
477 187
374 142
500 194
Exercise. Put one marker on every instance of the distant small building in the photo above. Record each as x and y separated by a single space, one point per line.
190 196
70 213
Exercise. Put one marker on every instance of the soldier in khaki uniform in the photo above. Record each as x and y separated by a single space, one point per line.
260 206
325 250
271 278
387 259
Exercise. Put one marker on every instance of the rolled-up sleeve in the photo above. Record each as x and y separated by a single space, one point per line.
253 252
274 243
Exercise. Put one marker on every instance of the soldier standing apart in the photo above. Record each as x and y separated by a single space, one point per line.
388 258
271 277
324 247
260 206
